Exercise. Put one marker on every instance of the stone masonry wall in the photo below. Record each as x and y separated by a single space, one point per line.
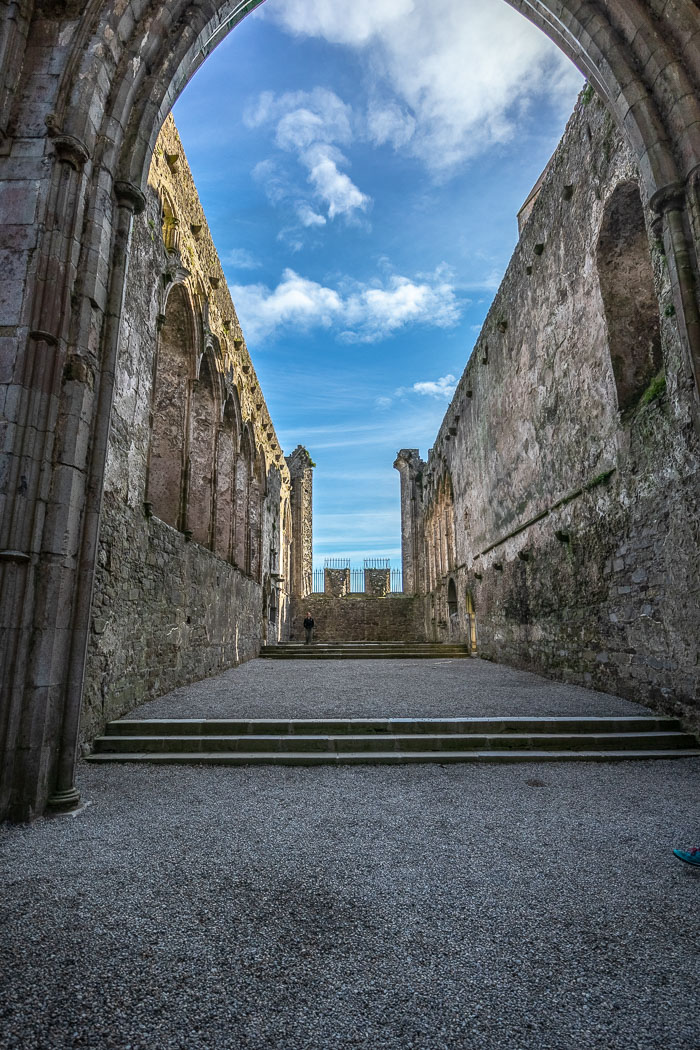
167 610
574 526
358 618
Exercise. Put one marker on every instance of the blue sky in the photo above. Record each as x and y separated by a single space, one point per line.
361 169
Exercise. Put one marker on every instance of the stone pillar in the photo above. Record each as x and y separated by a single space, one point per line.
336 582
410 466
301 476
377 582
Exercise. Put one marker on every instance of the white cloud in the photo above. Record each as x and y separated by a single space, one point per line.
295 301
441 389
332 186
444 387
360 312
308 217
302 117
275 182
465 72
240 258
309 124
353 24
389 123
375 312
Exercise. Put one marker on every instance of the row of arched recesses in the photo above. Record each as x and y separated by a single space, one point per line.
630 300
205 476
440 533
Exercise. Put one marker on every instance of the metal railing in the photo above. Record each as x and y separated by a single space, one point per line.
357 576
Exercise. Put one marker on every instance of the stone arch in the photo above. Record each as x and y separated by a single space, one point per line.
629 297
170 223
452 604
286 545
117 72
448 517
157 55
244 473
228 439
471 620
204 420
441 524
255 514
170 408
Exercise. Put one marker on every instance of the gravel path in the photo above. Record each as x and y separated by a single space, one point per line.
380 688
535 908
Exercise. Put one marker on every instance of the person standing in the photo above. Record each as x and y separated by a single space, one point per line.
308 628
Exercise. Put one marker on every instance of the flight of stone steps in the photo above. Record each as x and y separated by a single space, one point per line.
310 742
363 651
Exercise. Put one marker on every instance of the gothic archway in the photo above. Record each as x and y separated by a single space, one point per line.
116 71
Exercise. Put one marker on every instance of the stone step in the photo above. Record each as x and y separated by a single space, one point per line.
313 653
308 758
370 744
362 651
584 724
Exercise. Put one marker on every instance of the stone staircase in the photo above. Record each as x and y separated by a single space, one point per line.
308 742
363 651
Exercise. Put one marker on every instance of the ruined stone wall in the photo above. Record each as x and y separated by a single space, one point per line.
300 467
193 548
561 495
359 618
165 612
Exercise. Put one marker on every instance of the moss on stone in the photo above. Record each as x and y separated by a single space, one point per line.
599 479
656 388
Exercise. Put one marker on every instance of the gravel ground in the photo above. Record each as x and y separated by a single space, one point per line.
373 907
380 688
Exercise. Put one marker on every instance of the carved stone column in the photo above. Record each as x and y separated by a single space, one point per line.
130 201
301 476
678 210
34 555
410 467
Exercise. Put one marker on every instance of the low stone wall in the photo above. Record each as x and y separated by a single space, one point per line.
165 613
359 618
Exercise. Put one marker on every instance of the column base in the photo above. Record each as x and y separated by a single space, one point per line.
64 800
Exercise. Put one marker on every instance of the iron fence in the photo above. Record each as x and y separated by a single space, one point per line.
357 576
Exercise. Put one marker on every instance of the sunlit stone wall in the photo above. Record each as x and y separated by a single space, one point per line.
193 546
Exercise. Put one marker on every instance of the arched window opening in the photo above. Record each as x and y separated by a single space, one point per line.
449 515
286 557
471 621
629 296
257 488
174 359
226 446
171 226
201 488
241 506
452 608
